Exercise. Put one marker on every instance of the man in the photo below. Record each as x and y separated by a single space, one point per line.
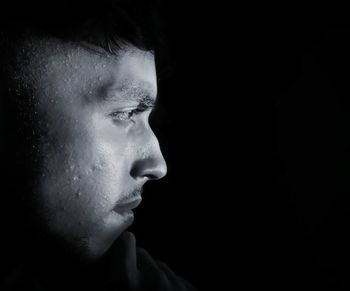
78 83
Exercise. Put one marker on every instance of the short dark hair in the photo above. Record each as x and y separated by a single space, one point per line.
106 23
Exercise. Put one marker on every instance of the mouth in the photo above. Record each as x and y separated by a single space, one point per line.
127 205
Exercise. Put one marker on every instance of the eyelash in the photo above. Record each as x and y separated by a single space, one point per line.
126 115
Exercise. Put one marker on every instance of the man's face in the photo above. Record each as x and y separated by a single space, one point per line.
96 147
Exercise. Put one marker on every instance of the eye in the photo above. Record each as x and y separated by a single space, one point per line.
126 115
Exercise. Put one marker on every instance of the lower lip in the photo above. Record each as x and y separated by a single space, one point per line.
126 214
120 220
127 207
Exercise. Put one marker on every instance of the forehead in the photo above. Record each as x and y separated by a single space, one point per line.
52 64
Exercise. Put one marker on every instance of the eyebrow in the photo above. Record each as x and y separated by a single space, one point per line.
147 102
142 93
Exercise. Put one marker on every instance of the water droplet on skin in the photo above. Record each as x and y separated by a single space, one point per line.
97 167
75 178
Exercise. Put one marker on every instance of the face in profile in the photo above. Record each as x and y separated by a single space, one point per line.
96 146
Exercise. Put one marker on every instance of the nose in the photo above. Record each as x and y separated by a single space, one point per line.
150 163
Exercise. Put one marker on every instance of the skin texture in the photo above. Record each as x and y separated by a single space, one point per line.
91 149
96 152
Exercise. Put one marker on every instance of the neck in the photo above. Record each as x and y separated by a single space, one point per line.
57 271
51 268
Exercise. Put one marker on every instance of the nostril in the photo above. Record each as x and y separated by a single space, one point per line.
152 169
152 177
156 175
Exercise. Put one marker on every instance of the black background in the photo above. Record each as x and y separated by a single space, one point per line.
253 121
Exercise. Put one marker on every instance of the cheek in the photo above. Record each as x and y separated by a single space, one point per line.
110 167
84 177
99 177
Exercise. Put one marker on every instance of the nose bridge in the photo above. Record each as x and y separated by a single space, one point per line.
149 162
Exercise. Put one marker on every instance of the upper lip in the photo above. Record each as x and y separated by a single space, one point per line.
128 205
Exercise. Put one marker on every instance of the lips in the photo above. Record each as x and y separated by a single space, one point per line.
128 205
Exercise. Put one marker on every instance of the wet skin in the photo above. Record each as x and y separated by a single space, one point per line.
95 143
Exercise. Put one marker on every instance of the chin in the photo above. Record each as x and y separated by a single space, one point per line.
92 249
90 244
